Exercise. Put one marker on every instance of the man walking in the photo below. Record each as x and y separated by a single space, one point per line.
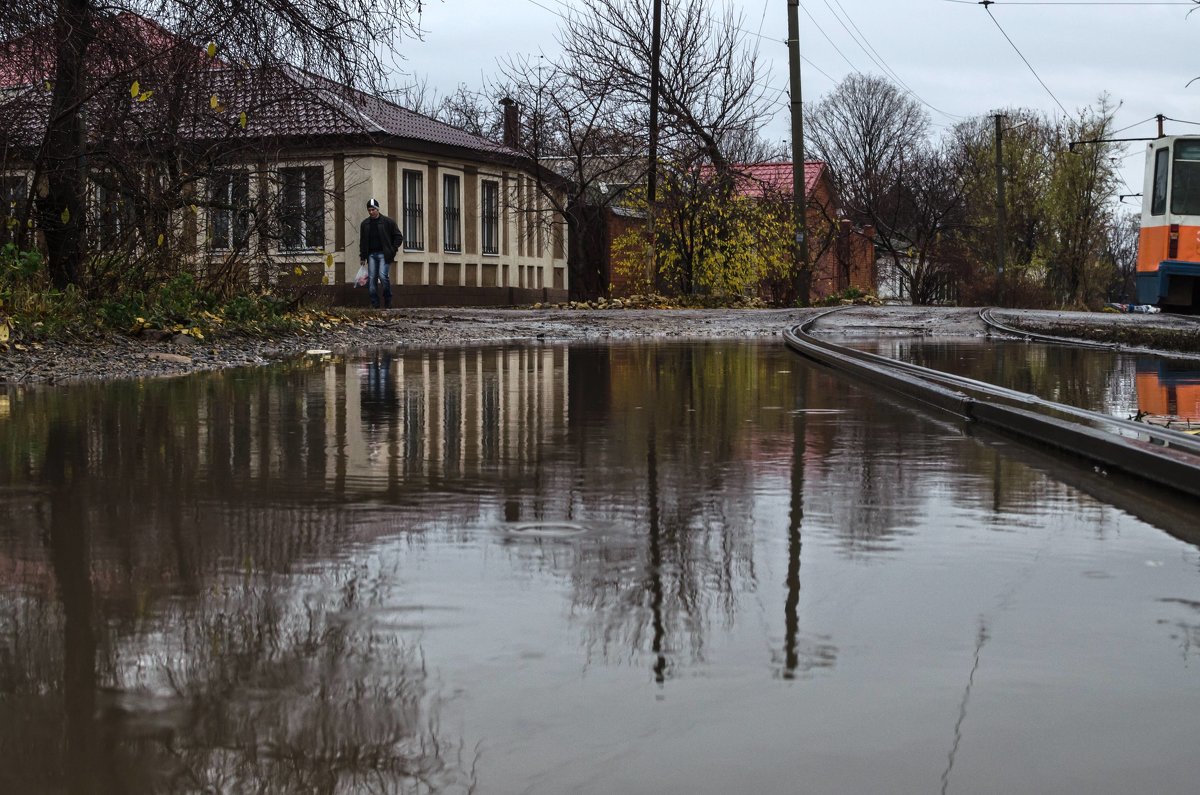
378 241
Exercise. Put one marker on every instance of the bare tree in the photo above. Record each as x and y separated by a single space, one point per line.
587 144
711 85
1122 252
585 115
874 139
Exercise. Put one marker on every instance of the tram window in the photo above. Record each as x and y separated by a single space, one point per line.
1185 187
1158 203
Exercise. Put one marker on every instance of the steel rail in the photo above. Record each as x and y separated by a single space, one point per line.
985 315
1166 457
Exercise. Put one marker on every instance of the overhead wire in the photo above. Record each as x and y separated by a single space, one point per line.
862 43
821 30
1077 3
1131 126
1016 49
558 14
880 61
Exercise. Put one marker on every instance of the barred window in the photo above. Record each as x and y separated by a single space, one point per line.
302 208
491 217
113 212
229 210
414 218
451 214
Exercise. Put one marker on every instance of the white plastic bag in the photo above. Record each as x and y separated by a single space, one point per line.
360 280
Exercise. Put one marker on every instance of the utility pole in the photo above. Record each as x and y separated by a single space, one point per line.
652 166
1001 213
801 273
1161 118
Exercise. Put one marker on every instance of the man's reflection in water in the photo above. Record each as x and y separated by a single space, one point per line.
379 403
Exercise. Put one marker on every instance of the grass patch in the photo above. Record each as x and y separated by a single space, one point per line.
33 310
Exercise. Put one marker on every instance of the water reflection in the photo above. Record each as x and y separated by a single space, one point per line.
1152 389
1169 393
548 568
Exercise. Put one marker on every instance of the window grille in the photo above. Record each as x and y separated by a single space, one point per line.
451 214
491 217
414 217
302 208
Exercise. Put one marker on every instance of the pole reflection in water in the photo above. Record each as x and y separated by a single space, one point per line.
547 569
791 618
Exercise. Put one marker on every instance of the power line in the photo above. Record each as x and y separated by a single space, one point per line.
858 34
1131 126
987 7
819 69
817 25
1076 3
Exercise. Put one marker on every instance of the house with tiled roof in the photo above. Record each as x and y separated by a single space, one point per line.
280 166
843 256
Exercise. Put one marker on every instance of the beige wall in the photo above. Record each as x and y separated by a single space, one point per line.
521 262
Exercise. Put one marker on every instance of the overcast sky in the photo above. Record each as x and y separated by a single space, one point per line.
950 53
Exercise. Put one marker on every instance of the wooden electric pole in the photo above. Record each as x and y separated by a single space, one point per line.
801 275
1001 212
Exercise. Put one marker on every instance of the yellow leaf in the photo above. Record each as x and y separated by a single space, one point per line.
324 280
4 332
193 208
328 260
299 271
161 238
145 95
66 215
48 85
213 102
135 89
242 119
212 49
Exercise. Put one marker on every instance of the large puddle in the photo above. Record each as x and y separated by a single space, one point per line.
701 568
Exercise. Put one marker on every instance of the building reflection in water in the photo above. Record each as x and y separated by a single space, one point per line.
188 597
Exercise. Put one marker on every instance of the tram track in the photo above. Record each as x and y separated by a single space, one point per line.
994 325
1168 458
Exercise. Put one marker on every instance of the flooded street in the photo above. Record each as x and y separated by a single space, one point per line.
703 567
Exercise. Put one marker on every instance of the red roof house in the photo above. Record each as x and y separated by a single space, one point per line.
843 257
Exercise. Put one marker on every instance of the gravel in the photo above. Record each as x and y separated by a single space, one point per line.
135 357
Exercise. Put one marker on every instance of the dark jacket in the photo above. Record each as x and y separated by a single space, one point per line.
389 236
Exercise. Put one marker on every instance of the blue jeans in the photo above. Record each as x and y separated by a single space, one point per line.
377 268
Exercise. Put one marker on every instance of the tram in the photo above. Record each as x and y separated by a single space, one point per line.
1168 263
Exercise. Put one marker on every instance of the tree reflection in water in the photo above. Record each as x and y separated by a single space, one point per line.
135 656
694 443
261 685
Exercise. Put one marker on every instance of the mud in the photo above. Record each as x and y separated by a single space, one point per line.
133 357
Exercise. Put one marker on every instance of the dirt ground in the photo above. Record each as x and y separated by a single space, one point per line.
130 357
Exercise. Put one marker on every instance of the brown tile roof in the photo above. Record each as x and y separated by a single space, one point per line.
279 102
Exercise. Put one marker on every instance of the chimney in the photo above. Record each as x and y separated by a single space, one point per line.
512 122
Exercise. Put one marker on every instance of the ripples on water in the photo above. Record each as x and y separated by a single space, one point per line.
637 568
